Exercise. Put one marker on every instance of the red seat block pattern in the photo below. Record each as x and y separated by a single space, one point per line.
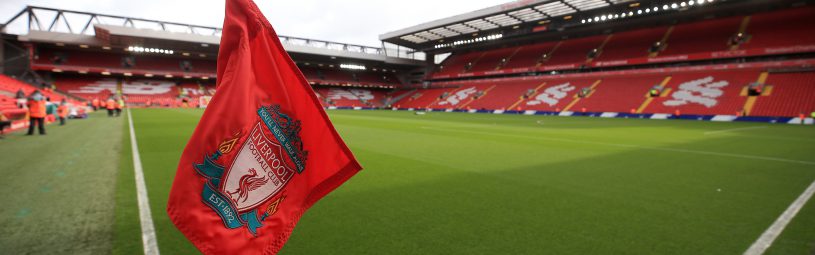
792 94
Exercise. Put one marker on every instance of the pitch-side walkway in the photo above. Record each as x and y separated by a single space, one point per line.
57 190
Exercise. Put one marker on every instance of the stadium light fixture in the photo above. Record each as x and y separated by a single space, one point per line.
148 75
139 49
352 66
469 41
105 73
646 10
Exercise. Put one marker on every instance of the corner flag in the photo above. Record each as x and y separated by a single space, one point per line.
264 150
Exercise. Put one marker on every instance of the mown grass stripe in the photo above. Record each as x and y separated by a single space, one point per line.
710 153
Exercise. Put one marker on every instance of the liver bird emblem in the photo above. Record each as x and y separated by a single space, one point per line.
247 183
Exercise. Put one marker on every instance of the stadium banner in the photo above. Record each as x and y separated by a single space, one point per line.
264 151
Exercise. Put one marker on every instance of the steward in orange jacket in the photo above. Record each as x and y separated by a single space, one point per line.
62 112
95 104
36 113
111 106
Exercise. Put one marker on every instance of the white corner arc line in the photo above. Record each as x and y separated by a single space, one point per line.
148 231
768 237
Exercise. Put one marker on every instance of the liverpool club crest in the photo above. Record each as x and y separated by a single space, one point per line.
246 189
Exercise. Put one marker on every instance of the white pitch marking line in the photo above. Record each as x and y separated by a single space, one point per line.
733 129
769 235
148 231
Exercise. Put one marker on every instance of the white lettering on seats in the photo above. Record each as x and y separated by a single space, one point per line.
141 87
459 96
351 94
702 91
552 95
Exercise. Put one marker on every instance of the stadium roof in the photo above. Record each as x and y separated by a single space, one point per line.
501 16
541 19
51 25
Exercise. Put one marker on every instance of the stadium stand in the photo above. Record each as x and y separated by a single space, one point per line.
620 94
456 64
424 98
703 36
135 91
705 93
47 59
782 28
493 60
700 66
556 95
12 109
333 76
790 94
353 97
779 32
12 85
573 53
77 86
704 90
631 44
502 93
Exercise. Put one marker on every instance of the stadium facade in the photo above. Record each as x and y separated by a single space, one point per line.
696 59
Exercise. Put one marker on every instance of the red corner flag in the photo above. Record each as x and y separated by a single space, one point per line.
264 151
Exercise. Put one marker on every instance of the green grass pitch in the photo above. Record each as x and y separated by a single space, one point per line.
457 183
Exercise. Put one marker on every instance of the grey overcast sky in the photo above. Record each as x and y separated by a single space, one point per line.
348 21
